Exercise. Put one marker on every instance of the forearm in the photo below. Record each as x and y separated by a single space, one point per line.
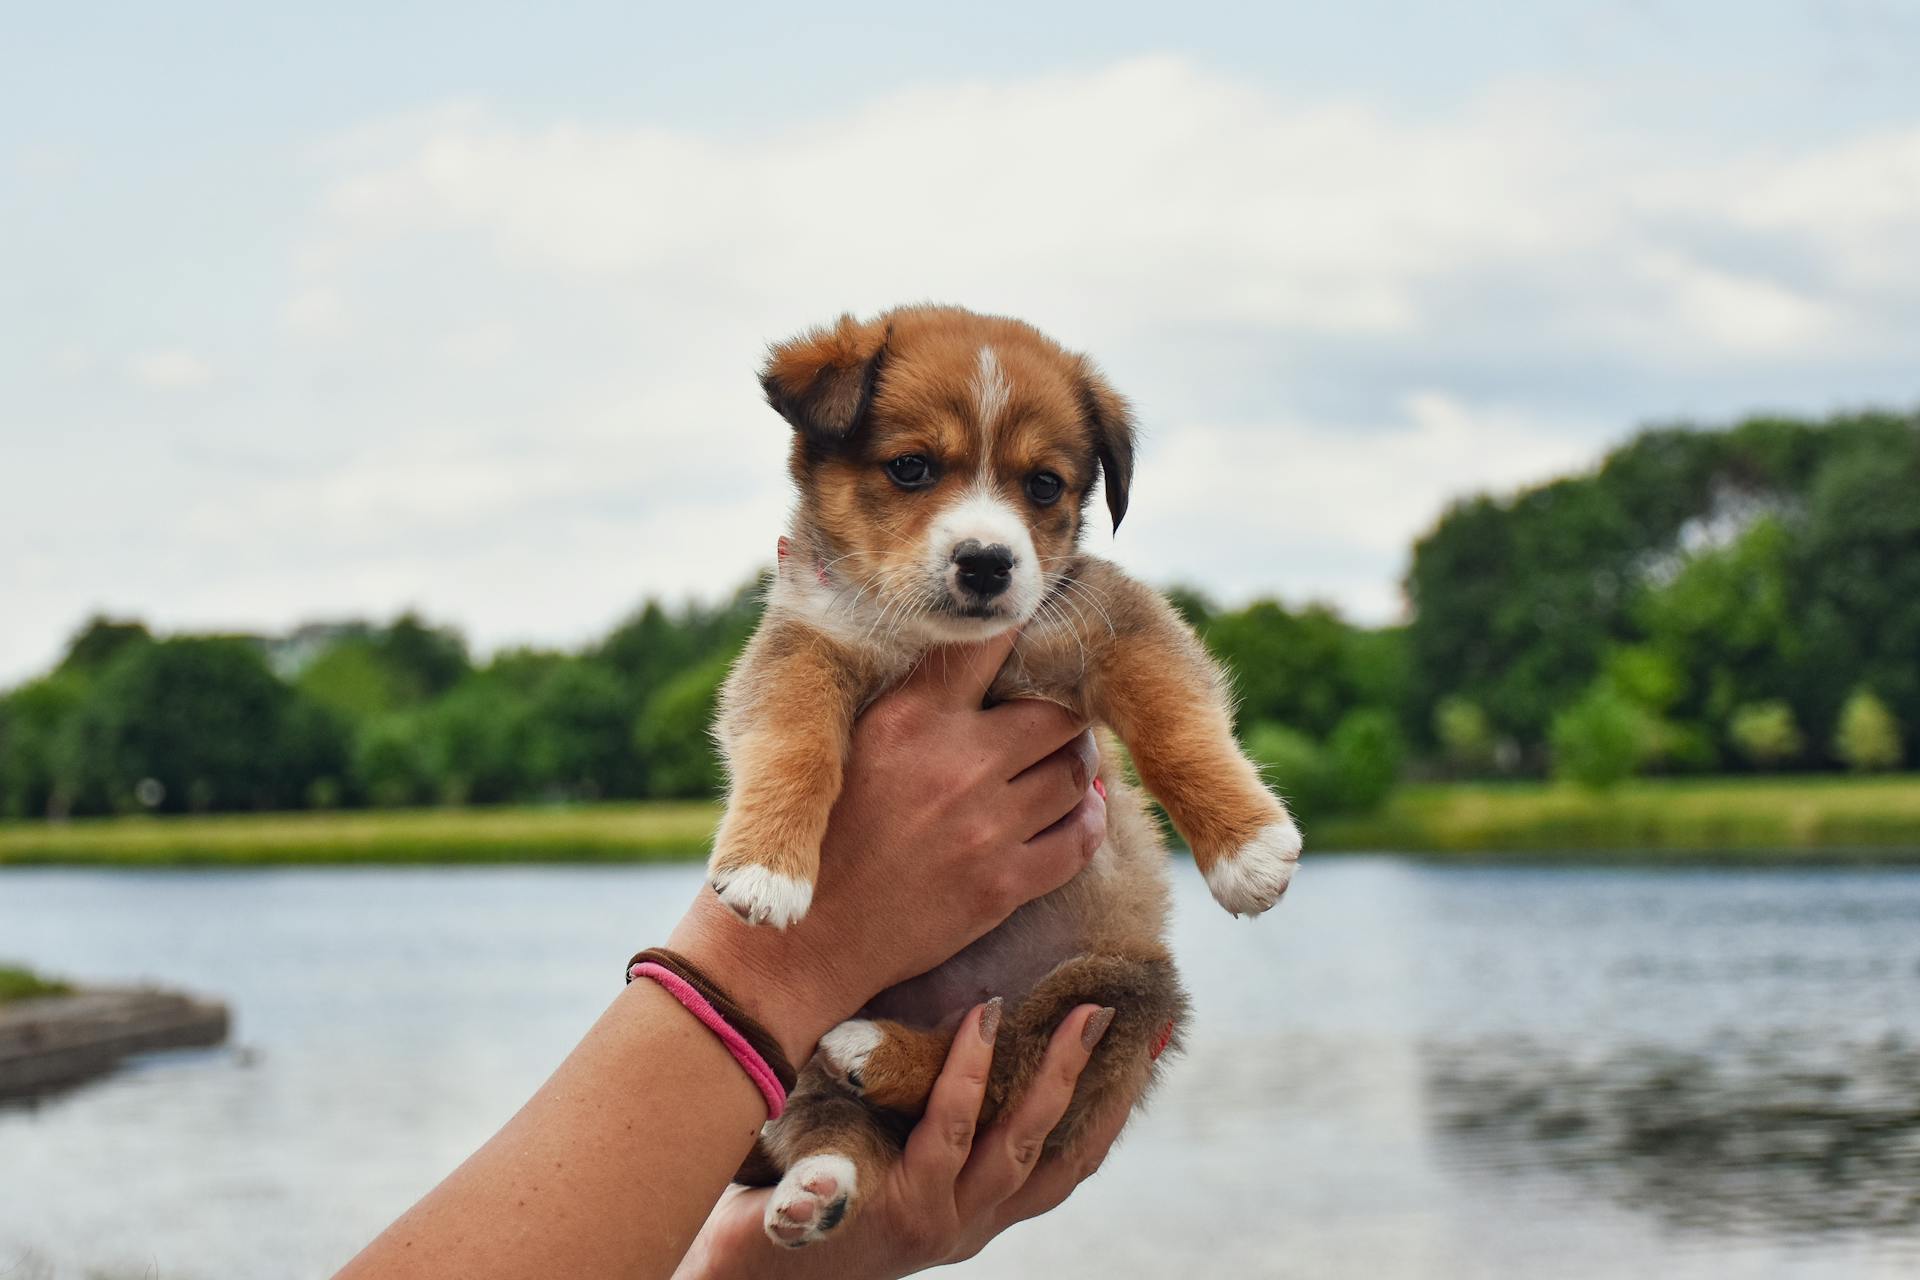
608 1170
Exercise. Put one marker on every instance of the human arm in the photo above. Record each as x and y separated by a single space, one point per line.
951 817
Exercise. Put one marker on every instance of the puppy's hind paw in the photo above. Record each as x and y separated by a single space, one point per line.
1254 876
845 1049
810 1201
760 896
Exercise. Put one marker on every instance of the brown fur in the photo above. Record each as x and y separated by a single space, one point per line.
850 615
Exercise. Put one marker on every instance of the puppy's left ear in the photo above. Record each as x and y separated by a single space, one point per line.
1111 418
822 380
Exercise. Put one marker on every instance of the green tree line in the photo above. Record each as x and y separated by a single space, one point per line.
1704 600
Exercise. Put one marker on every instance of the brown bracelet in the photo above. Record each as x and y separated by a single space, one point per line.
752 1032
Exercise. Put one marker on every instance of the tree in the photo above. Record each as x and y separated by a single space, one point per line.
1868 737
96 643
423 661
1858 580
32 717
674 733
203 718
580 739
1765 733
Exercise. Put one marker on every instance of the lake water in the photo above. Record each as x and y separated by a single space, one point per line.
1407 1071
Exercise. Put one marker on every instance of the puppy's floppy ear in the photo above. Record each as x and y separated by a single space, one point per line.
822 380
1111 418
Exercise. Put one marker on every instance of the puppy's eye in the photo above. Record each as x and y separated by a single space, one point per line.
1044 486
911 471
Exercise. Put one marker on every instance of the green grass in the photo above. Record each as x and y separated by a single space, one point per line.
1862 819
25 984
1821 818
594 833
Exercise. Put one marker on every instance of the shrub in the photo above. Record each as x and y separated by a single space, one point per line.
1465 734
1297 767
1365 753
1601 740
1765 733
1868 737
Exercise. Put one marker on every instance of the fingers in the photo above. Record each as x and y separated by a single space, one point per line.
1050 790
1059 853
940 1143
1007 1154
1058 1175
1034 730
958 676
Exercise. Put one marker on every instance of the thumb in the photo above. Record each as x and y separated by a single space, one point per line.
959 675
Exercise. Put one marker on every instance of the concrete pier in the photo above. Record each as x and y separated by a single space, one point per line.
52 1041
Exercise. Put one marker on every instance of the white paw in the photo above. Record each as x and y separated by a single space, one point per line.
760 896
846 1048
810 1201
1254 877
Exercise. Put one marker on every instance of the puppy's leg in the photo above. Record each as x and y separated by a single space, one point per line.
835 1150
1149 1007
893 1067
1166 699
785 721
889 1064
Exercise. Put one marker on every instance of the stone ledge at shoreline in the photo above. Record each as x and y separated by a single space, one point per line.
52 1041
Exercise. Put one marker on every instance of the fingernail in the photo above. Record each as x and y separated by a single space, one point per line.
1101 787
1096 1027
990 1019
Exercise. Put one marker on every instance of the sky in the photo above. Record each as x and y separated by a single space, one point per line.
319 314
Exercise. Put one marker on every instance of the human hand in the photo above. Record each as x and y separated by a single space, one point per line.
951 1192
950 817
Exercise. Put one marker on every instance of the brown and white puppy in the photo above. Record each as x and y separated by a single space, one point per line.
944 462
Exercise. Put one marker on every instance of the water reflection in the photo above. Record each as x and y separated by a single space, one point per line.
1779 1135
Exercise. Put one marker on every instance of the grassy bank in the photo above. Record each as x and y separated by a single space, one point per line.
25 984
1866 819
598 833
1875 819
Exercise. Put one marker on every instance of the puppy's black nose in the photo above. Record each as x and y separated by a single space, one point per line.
984 571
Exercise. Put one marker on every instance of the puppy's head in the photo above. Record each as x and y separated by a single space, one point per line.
945 461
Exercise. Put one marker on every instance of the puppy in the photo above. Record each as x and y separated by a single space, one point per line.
944 462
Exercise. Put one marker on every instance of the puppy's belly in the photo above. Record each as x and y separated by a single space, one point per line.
1008 962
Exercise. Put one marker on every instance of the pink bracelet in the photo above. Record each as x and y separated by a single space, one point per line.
743 1053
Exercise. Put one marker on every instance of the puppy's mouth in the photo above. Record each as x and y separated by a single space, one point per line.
975 610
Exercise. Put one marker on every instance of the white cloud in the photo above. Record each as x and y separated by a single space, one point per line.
511 378
170 370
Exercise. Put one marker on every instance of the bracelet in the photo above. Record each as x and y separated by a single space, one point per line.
757 1052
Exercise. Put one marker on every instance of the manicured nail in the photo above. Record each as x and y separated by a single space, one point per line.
1101 787
990 1019
1096 1027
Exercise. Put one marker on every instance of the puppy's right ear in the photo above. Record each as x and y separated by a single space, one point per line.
822 380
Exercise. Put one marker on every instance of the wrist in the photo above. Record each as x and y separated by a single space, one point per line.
768 972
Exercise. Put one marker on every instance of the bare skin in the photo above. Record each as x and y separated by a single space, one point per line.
951 818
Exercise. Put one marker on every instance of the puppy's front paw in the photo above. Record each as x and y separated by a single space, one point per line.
1254 876
760 896
810 1201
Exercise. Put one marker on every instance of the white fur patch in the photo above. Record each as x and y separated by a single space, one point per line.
991 391
848 1046
760 896
983 516
1254 877
811 1200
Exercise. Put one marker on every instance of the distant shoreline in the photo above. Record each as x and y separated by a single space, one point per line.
1817 820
